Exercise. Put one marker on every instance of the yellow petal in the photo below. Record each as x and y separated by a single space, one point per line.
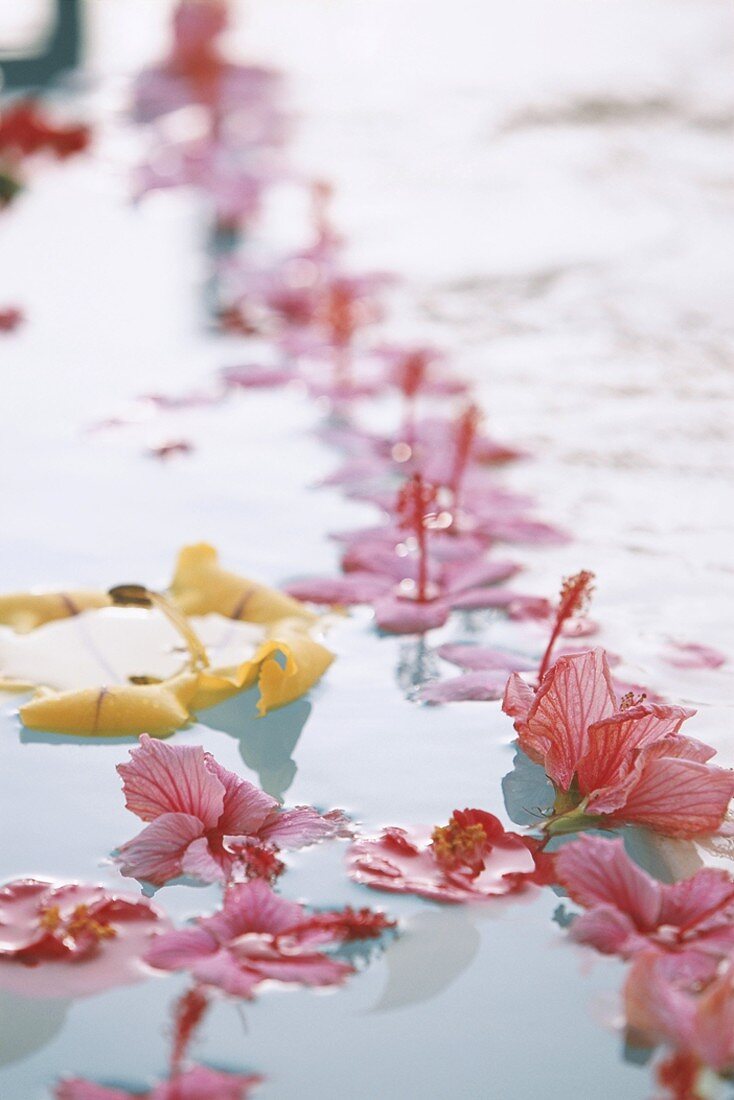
285 667
157 709
24 611
200 586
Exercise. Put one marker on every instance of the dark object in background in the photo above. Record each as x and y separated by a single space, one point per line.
61 52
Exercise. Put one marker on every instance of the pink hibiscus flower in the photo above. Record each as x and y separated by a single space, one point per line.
697 1024
629 912
197 1083
414 593
71 939
615 763
470 859
205 821
257 936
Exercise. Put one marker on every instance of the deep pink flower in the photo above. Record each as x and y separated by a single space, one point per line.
625 763
255 937
197 1083
71 939
205 821
470 859
628 911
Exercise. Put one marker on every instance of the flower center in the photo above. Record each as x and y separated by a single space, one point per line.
456 847
77 925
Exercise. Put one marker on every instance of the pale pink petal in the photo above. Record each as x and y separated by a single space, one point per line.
202 1083
223 970
77 1089
575 693
609 931
301 826
655 1009
599 872
403 616
461 576
480 686
245 808
180 948
254 907
517 701
705 900
353 589
694 655
714 1024
314 970
156 854
680 798
198 862
613 742
162 778
482 657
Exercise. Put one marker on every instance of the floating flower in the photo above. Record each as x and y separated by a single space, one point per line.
662 1007
615 763
694 655
628 911
270 646
470 859
256 936
412 593
196 1083
71 939
205 821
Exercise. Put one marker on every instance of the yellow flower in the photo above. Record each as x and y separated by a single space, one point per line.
286 663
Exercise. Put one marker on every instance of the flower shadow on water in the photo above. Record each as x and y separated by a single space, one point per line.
266 743
27 1025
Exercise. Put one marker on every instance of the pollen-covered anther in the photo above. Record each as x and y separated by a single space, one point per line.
629 699
457 846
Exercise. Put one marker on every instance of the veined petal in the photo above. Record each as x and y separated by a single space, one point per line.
679 797
163 778
575 693
613 742
598 872
180 948
301 826
156 854
246 808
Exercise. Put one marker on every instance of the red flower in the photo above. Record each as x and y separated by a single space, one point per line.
469 859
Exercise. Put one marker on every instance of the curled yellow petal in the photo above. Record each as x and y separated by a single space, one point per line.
157 709
284 667
24 611
200 586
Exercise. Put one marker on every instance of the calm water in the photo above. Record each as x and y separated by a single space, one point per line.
556 183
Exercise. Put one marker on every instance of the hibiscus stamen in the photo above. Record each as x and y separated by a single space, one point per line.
466 429
457 846
576 592
410 377
137 595
415 507
629 699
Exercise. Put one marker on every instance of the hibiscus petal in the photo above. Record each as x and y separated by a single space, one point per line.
224 971
301 826
180 948
598 872
355 588
162 778
480 686
483 657
609 931
613 742
402 616
245 807
77 1089
705 900
679 797
314 970
253 907
199 862
575 693
156 854
654 1008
